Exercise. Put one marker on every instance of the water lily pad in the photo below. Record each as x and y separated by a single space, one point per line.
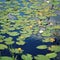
16 50
46 40
20 42
3 46
26 57
42 47
55 48
51 55
46 33
6 58
9 42
41 57
8 39
1 40
57 27
13 33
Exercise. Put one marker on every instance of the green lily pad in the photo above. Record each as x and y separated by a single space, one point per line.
46 33
20 42
42 17
1 40
46 40
26 57
41 57
15 50
9 42
13 33
51 55
42 47
57 27
8 39
55 48
6 58
3 46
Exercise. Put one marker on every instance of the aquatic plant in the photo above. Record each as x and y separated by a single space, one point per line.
22 22
6 58
26 57
42 47
3 46
51 55
41 57
55 48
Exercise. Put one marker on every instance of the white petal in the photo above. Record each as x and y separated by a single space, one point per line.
41 31
47 1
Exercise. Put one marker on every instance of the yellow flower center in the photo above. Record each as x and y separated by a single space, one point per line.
19 49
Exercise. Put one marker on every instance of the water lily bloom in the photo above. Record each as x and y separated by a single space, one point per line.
47 1
19 49
51 23
30 26
41 31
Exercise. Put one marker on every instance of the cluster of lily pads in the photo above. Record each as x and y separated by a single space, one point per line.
35 20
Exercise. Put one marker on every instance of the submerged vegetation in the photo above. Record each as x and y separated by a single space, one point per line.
21 20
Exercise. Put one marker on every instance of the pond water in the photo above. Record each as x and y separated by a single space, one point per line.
34 40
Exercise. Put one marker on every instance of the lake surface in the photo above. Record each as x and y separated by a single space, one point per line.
33 41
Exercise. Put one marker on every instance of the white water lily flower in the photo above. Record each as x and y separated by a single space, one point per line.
51 23
41 31
47 1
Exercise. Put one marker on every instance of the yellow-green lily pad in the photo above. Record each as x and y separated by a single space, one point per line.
42 47
13 33
3 46
6 58
51 55
41 57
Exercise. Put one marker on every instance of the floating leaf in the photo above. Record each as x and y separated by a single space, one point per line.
41 57
3 46
6 58
57 27
55 48
42 47
16 50
9 42
20 42
51 55
13 33
26 57
46 33
46 40
8 39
